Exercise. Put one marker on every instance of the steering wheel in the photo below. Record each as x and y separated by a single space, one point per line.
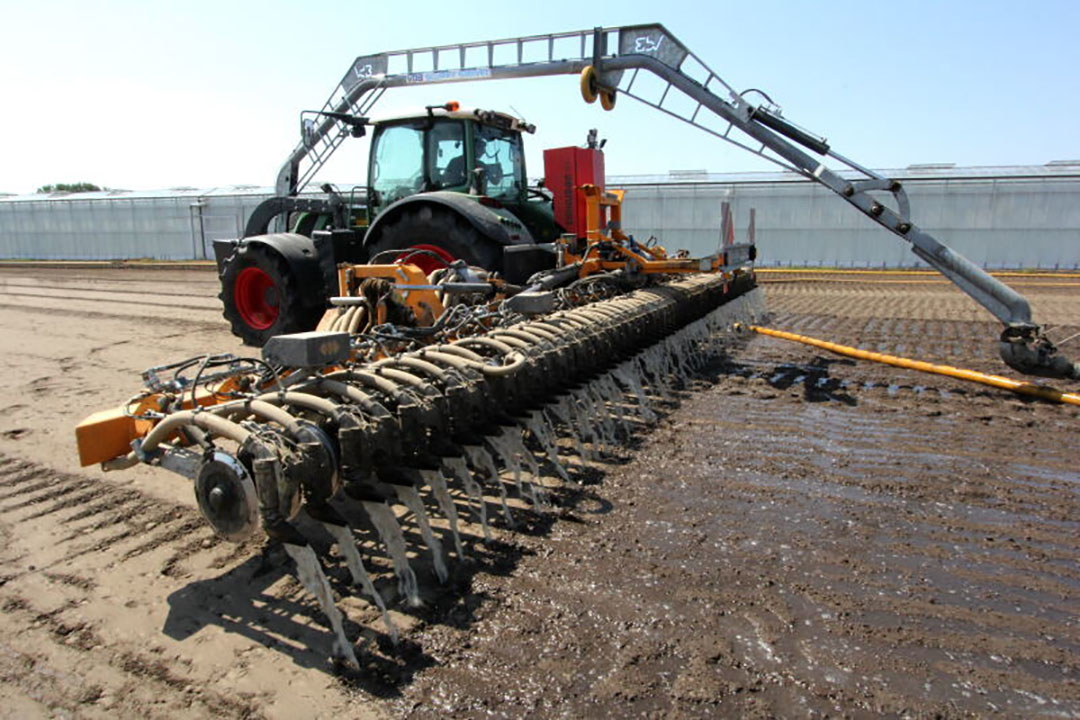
536 193
494 172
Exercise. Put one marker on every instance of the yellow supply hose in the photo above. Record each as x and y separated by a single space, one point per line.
1024 388
879 281
884 271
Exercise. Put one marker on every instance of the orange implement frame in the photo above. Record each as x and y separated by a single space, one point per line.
424 301
108 434
409 281
609 248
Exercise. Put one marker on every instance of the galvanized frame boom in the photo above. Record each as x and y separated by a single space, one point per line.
619 55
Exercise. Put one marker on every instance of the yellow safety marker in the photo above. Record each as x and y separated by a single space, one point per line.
1024 388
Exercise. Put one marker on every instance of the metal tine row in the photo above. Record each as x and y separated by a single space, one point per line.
462 415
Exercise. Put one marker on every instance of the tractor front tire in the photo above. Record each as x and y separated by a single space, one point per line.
260 296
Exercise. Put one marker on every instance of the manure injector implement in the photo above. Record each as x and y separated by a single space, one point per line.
421 391
437 380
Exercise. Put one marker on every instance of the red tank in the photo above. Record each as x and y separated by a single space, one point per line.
565 170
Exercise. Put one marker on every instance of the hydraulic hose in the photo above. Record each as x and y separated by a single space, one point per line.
207 421
215 424
302 400
1017 386
262 410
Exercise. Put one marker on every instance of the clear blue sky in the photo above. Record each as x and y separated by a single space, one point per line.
146 95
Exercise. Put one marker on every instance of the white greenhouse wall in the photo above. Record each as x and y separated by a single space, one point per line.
998 217
1000 222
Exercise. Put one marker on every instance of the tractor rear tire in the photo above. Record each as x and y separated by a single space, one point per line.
260 296
441 230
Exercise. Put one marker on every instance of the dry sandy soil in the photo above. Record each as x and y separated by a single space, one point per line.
801 535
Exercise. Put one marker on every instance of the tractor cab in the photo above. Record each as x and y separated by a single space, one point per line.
472 152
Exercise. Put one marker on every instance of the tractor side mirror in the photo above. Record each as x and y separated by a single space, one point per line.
307 132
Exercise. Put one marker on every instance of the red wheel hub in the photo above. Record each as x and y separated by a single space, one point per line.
256 298
427 263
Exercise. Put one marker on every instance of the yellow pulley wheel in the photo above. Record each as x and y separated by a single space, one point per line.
588 84
607 99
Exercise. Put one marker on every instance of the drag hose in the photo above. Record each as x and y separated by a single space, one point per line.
1023 388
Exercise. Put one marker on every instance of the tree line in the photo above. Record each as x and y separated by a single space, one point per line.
69 187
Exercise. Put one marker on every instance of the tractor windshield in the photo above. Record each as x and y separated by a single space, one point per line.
498 153
398 162
423 155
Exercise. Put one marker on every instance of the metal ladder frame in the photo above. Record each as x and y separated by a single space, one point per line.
620 55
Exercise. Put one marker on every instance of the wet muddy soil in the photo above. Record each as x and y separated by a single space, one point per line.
800 535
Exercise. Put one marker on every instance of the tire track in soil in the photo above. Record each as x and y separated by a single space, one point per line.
84 518
139 299
139 683
92 534
212 321
145 288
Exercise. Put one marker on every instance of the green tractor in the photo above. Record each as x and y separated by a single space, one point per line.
445 185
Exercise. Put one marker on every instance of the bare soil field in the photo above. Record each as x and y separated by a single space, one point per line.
801 535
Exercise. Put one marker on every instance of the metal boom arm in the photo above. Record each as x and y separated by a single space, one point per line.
618 55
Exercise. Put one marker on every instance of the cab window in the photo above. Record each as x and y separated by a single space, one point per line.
446 155
398 162
499 155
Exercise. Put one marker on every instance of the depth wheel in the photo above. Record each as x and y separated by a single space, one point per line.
260 296
226 496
